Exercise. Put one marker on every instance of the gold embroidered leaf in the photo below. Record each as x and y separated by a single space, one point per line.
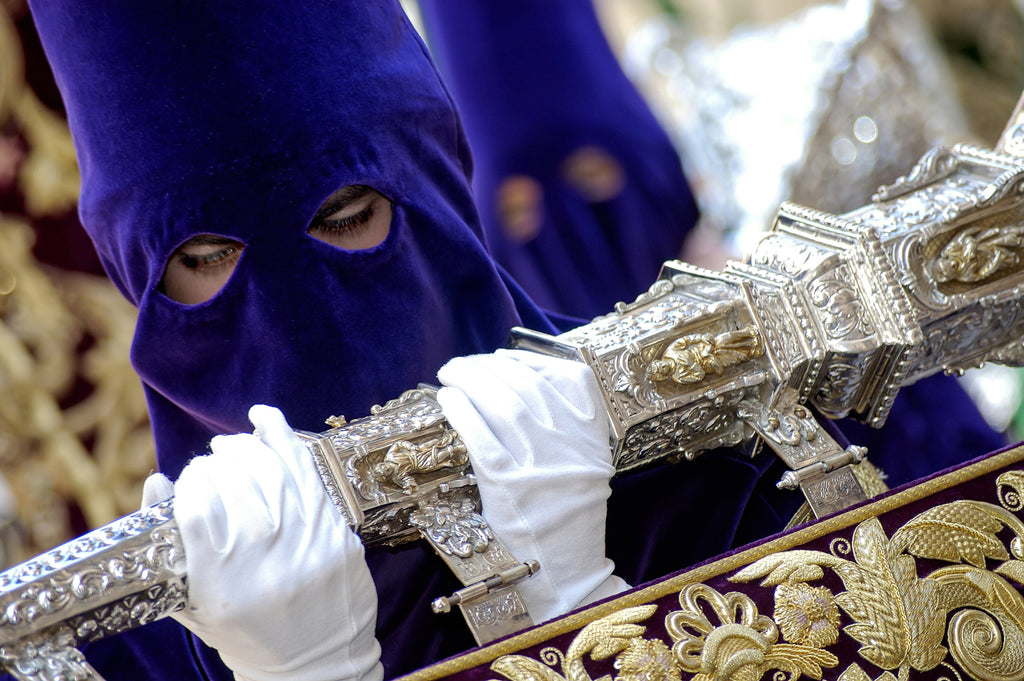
854 673
1013 570
791 566
990 592
896 615
1007 599
521 668
796 660
611 646
962 531
610 634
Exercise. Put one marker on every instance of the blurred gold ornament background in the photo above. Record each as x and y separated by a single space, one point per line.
74 433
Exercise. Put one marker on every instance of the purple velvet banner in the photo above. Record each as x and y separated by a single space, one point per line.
922 583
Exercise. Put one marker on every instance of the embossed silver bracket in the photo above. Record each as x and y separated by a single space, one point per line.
403 473
492 584
490 602
493 607
821 469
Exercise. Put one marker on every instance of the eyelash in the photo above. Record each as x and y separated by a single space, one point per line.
346 224
209 260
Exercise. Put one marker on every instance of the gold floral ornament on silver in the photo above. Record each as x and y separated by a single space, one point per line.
978 253
404 461
691 359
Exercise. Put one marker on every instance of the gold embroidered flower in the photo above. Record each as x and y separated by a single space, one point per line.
807 615
647 660
720 635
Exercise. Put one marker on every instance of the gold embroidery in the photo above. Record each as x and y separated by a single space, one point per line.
617 634
740 644
1010 486
855 673
900 618
647 660
807 615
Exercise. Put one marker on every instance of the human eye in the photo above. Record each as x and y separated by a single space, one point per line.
200 267
355 217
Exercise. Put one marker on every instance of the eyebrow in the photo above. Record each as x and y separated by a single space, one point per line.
349 193
342 198
208 240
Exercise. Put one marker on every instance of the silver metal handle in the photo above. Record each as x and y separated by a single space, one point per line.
119 577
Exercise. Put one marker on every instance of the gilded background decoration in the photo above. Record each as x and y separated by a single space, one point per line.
74 434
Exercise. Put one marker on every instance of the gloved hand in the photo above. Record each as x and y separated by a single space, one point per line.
277 581
539 445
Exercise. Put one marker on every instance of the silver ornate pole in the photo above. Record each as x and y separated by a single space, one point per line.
121 576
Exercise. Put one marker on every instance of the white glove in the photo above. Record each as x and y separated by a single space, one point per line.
539 445
277 581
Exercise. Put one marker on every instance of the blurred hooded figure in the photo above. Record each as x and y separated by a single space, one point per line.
283 191
580 191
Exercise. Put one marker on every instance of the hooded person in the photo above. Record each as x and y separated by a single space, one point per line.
580 190
283 191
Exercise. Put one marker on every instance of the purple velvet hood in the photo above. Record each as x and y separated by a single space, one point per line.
240 119
535 81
